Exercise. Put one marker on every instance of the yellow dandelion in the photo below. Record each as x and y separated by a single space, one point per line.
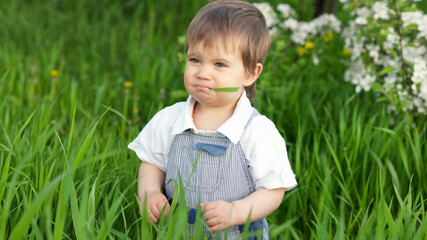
309 45
54 73
328 37
346 52
301 51
127 84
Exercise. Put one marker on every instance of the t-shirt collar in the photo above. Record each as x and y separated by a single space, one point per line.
233 128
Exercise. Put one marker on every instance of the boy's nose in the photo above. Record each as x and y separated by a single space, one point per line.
203 72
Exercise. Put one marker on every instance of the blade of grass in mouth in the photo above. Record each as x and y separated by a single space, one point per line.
227 89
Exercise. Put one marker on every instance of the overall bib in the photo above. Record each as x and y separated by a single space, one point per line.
211 168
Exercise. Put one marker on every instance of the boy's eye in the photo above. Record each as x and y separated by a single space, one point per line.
220 64
194 60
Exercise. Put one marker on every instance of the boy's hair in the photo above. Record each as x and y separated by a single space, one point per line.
235 22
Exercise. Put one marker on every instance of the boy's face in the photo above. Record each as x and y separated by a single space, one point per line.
215 67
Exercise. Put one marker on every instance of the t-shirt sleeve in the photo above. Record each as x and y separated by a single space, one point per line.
153 142
266 151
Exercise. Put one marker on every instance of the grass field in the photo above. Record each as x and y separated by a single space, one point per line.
66 172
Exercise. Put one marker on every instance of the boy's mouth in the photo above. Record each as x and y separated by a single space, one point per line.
225 89
203 87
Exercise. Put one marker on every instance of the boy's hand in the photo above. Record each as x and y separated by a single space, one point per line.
219 215
156 201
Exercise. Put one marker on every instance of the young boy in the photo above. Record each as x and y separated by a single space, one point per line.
232 157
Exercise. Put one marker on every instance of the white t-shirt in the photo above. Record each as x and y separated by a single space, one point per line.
262 144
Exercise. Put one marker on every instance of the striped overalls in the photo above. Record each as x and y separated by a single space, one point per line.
221 172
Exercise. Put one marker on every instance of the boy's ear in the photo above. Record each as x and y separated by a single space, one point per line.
252 77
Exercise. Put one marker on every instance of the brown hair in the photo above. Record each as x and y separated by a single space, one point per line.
237 22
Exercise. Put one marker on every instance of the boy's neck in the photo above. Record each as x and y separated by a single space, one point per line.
211 118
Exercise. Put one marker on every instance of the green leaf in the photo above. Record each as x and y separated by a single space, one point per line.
9 157
20 229
87 142
385 71
229 89
377 87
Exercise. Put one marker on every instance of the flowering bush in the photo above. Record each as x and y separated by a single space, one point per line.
303 35
387 43
384 46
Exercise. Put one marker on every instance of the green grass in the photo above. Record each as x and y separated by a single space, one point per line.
66 172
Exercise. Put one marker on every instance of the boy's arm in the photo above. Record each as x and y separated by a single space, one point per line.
220 215
150 183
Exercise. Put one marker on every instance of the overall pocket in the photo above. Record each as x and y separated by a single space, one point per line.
200 170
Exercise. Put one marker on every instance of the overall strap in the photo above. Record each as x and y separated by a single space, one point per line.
255 113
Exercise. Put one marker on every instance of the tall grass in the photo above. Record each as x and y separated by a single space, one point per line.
66 172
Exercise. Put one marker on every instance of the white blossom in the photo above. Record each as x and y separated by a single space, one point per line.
423 90
374 52
328 21
346 3
268 12
273 31
357 49
309 27
380 10
366 81
390 81
351 31
391 39
420 104
409 18
411 54
362 14
290 23
353 69
285 10
315 59
348 42
305 29
359 75
299 37
389 61
420 71
414 88
422 27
